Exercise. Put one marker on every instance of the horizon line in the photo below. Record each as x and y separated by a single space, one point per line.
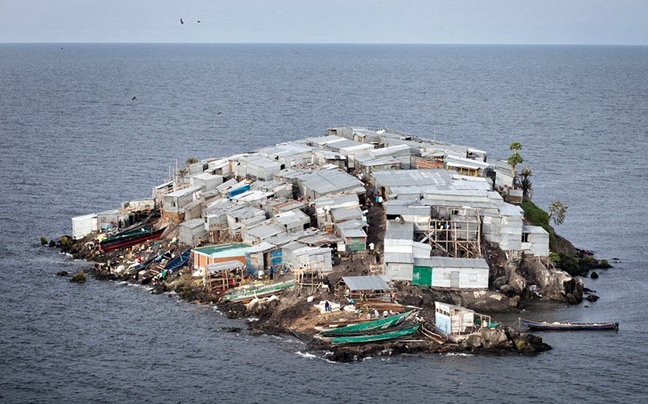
312 43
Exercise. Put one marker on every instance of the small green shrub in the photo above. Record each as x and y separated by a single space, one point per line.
569 264
539 217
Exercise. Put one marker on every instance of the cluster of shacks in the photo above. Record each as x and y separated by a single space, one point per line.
291 206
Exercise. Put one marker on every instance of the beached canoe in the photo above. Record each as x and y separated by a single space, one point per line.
178 261
249 293
563 326
137 238
386 336
371 325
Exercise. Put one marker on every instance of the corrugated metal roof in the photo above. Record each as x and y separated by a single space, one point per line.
366 283
319 239
419 178
533 230
449 262
264 246
399 231
353 233
407 258
193 223
183 192
370 161
225 266
410 210
246 212
342 214
223 250
261 161
352 224
266 230
291 217
324 182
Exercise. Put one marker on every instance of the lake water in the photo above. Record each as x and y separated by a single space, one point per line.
75 142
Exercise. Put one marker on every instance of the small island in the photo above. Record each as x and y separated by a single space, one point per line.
360 242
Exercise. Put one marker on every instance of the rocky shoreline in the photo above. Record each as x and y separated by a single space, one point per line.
293 313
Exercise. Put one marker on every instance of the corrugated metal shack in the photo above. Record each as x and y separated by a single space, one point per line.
345 147
320 183
384 181
535 241
466 166
289 154
370 287
367 165
191 231
451 273
302 258
160 190
352 234
244 217
84 225
262 231
263 256
399 256
278 205
326 157
112 219
207 181
325 204
279 189
451 319
256 167
203 256
174 202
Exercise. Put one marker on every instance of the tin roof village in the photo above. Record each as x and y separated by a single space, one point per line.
349 215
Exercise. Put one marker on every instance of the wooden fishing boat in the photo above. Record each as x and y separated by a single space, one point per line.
563 326
136 238
132 230
140 266
248 293
371 325
386 336
178 262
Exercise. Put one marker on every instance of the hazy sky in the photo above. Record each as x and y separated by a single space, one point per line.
327 21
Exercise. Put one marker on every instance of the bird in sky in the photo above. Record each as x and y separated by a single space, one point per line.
181 22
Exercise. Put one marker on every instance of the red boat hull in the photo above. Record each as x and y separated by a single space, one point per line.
132 241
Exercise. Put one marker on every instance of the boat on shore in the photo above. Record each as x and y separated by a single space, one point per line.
565 326
131 239
371 325
178 262
249 293
386 336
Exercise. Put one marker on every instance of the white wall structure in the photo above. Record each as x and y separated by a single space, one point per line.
535 241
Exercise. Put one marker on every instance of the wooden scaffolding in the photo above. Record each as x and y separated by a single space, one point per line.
456 235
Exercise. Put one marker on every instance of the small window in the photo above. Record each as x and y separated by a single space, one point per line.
473 278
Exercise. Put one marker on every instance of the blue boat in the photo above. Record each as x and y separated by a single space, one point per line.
178 262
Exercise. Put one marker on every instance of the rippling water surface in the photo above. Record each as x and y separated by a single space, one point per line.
74 142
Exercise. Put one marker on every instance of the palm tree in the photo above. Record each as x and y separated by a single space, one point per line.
515 158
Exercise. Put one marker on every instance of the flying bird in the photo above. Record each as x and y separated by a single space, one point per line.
181 22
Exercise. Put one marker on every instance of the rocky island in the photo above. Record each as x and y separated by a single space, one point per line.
360 242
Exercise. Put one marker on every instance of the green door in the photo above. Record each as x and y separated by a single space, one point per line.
422 276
